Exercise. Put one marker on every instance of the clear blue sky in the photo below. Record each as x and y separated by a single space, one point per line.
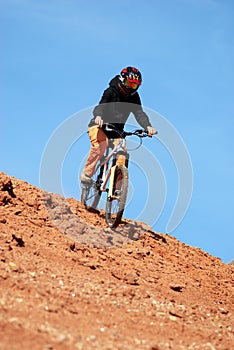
58 56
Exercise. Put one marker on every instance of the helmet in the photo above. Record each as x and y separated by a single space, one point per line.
131 79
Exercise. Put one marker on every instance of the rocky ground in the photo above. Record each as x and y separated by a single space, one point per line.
69 282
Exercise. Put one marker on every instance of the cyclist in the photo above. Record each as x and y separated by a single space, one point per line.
122 88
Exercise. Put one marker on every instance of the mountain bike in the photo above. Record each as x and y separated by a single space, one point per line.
111 177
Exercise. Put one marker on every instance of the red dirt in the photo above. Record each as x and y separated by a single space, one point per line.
69 282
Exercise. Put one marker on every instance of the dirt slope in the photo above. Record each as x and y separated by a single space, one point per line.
69 282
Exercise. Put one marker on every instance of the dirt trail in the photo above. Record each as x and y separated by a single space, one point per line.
69 282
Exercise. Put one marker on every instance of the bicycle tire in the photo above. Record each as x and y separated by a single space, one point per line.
115 205
90 195
90 192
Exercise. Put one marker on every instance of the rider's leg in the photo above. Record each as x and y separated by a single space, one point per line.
99 142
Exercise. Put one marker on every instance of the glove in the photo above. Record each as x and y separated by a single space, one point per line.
151 131
99 121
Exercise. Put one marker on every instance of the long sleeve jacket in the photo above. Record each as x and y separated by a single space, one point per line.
115 107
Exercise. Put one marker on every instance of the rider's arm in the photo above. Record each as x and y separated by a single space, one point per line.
98 112
141 117
99 109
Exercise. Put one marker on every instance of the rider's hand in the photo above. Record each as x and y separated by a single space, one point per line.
99 121
151 131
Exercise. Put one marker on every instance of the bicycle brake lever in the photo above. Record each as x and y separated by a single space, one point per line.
138 132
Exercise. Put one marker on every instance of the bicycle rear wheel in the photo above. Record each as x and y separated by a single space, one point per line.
116 203
90 194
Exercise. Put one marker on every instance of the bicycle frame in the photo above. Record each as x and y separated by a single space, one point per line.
108 173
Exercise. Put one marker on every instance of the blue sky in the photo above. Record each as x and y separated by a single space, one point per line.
58 56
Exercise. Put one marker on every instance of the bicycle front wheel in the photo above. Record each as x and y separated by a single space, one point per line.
115 204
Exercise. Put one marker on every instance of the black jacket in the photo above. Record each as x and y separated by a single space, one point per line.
115 107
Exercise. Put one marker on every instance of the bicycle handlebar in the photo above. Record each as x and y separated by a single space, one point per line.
138 132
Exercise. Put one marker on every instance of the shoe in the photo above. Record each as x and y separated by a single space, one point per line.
85 178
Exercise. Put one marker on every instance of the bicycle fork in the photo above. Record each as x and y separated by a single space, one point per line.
111 187
122 160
